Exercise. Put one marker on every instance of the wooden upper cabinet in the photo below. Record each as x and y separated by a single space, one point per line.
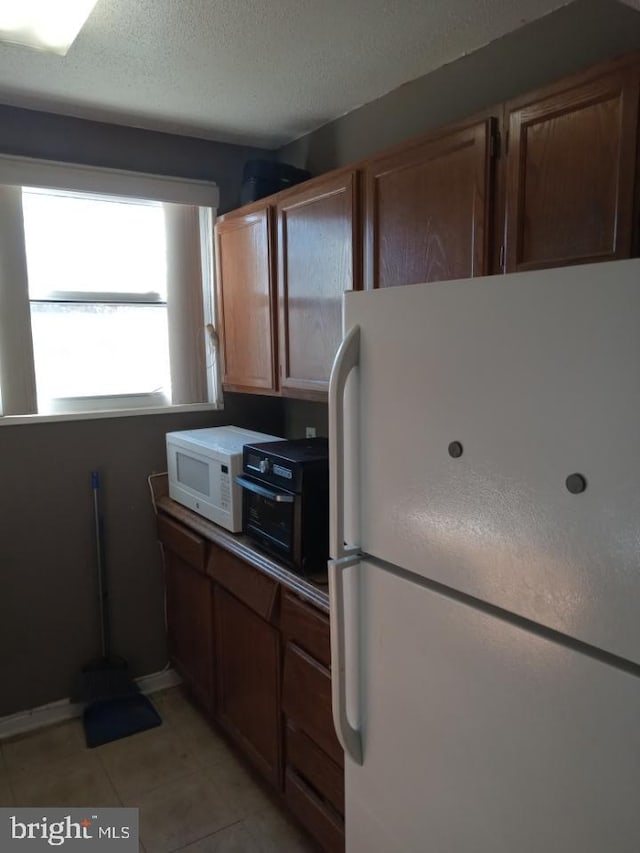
318 259
427 209
246 299
570 174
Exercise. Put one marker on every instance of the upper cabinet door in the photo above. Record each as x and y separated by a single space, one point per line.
427 209
570 174
246 300
318 259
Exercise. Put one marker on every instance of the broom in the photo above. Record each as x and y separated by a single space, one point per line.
115 708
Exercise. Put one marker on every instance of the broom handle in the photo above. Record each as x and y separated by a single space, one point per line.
95 485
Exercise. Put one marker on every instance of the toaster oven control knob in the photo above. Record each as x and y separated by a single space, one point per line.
264 466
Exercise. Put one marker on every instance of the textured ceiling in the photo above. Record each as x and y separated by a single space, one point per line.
259 72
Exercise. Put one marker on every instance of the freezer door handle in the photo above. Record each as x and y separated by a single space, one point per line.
348 736
346 359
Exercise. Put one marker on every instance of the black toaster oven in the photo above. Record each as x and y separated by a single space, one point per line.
285 500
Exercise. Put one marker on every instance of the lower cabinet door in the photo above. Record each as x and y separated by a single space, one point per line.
326 826
189 626
248 680
315 767
306 700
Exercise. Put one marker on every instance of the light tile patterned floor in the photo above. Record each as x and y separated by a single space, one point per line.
193 793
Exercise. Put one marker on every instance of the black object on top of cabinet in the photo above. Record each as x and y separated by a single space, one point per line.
261 178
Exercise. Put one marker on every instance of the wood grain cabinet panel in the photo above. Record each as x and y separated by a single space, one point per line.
570 174
248 682
246 300
189 626
306 627
316 768
306 700
187 545
229 639
318 259
248 584
322 822
427 209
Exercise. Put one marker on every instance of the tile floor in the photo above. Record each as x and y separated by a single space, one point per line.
193 793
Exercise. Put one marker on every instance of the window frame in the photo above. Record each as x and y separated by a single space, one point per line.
137 187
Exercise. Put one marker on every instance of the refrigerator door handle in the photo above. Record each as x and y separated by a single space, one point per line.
348 736
346 359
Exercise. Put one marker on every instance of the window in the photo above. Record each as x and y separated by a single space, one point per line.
106 301
98 299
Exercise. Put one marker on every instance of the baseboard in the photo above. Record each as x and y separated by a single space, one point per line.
158 681
57 712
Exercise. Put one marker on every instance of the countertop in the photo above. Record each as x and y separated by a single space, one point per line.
313 589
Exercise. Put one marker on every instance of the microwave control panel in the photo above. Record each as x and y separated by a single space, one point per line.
225 487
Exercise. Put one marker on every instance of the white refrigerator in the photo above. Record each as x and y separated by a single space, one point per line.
485 572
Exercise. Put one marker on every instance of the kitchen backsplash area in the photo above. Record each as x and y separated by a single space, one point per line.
300 414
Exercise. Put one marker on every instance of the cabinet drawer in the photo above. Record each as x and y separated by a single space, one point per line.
187 545
306 699
310 762
321 821
251 586
307 627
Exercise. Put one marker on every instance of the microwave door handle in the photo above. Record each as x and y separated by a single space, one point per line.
278 497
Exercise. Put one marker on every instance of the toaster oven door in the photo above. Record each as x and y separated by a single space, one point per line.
271 517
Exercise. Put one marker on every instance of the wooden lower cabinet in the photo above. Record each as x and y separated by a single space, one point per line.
189 628
323 823
189 617
314 760
306 627
257 658
306 699
248 681
312 764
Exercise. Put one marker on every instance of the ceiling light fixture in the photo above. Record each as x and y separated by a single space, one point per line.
43 24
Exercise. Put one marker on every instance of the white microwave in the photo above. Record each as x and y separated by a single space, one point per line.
203 464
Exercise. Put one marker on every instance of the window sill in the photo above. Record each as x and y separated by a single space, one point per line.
15 420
